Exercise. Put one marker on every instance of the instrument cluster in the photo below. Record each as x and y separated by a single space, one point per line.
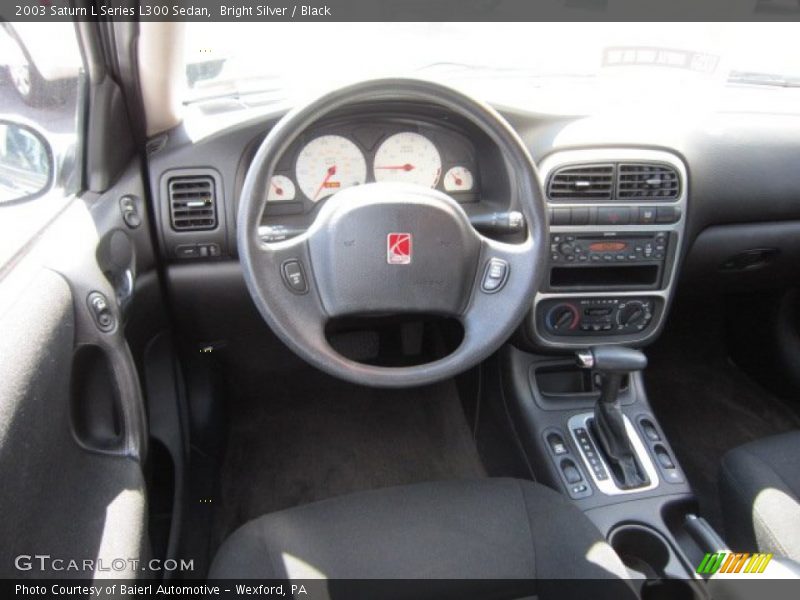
334 157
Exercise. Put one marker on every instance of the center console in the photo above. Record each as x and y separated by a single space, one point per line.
553 404
575 394
617 220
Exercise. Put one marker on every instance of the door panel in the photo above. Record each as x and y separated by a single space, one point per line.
57 498
73 427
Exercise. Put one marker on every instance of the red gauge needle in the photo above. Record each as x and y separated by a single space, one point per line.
457 179
330 173
405 167
278 190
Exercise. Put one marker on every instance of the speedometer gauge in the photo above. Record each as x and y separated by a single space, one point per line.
408 157
328 164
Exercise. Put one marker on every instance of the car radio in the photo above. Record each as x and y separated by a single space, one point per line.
601 249
608 260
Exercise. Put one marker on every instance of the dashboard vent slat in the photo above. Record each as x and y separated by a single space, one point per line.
648 182
590 182
192 203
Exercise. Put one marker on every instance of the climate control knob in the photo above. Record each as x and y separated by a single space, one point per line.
633 313
563 317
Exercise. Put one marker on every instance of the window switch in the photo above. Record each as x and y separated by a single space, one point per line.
557 445
664 458
571 473
650 431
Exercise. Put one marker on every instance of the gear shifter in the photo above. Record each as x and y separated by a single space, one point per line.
611 363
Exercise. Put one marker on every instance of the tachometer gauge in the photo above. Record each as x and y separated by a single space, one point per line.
458 179
408 157
280 188
328 164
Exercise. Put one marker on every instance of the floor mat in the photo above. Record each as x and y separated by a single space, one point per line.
310 437
706 404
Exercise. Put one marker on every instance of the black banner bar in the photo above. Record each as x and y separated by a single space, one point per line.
401 10
390 589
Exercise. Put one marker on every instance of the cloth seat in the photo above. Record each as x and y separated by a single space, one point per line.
759 488
526 538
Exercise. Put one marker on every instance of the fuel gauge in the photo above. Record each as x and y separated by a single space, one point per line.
280 188
458 179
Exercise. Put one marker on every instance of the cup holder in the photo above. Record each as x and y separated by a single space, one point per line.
649 556
641 549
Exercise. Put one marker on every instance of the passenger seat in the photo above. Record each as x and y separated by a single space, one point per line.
759 488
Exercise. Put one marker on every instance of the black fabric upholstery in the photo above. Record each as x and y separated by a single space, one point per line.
468 529
760 495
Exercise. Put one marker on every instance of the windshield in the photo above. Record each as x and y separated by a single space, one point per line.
278 61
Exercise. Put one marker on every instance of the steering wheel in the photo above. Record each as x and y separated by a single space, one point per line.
385 248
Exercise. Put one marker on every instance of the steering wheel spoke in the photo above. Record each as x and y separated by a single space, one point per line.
286 271
501 277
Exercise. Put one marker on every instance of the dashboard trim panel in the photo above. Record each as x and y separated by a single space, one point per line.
599 155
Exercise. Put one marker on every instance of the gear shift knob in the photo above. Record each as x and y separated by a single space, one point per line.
611 363
612 359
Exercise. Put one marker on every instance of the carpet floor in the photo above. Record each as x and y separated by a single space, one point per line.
309 437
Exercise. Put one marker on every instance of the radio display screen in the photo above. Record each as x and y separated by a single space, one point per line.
607 246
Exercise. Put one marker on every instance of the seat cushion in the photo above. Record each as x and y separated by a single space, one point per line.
471 529
759 492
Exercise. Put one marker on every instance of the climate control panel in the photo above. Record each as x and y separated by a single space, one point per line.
577 317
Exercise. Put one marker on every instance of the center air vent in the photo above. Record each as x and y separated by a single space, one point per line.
647 181
192 203
582 182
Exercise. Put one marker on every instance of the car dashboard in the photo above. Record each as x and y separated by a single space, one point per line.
625 202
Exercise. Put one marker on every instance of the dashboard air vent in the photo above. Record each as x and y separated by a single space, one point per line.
647 181
582 182
192 203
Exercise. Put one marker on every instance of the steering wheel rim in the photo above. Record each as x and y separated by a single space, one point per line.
298 317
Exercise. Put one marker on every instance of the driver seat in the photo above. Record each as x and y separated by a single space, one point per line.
525 537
